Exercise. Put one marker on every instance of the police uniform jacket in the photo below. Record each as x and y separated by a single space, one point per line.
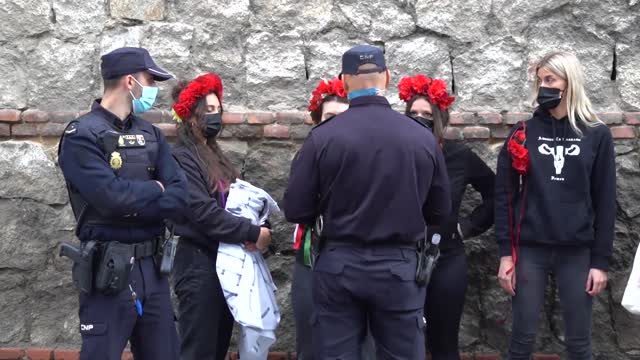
375 175
111 167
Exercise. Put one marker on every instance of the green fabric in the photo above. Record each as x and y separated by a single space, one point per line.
307 246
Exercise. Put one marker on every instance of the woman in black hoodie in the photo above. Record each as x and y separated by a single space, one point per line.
204 320
428 102
556 207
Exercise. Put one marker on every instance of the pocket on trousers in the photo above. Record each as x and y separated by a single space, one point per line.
405 270
329 263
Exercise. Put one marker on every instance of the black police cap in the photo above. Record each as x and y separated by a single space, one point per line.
130 60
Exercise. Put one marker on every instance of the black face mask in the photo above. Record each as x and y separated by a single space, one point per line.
213 124
549 98
427 122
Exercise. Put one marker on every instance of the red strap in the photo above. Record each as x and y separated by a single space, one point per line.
298 235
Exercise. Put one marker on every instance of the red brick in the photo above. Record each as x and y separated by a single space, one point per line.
514 118
453 133
169 130
490 118
39 354
35 116
611 118
488 357
462 119
299 132
623 132
290 118
241 131
278 356
545 357
62 117
66 354
51 129
5 130
24 129
127 355
632 118
9 115
476 132
500 132
11 354
233 118
153 116
276 131
260 118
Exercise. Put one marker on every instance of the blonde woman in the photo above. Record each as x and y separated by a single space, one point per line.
555 207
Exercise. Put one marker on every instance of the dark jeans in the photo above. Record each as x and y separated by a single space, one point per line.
204 320
445 302
108 321
570 265
303 308
356 285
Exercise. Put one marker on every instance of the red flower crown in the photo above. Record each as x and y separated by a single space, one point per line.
326 88
196 89
434 89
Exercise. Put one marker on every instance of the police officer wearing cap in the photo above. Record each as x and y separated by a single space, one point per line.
376 179
122 183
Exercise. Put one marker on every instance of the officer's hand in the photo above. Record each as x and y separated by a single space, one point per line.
250 246
507 275
596 281
264 240
161 186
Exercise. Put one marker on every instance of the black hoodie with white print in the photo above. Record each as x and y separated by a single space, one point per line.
569 191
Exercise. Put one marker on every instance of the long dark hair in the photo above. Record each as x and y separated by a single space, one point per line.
191 135
316 116
440 117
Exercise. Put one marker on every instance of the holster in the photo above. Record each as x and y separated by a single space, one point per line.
84 259
428 255
114 267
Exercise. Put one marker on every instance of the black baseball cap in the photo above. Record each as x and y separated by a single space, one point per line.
130 60
361 55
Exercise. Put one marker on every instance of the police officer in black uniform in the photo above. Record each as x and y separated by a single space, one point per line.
122 183
376 179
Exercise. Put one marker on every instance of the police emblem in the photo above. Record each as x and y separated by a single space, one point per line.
115 161
140 138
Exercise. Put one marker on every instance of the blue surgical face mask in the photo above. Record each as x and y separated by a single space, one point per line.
146 100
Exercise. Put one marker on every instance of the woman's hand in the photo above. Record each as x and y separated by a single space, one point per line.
596 282
264 240
507 275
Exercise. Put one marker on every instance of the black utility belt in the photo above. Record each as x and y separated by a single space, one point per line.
105 266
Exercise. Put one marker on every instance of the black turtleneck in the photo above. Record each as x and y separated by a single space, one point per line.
569 192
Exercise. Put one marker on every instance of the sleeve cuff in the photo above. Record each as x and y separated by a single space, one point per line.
254 233
504 249
600 262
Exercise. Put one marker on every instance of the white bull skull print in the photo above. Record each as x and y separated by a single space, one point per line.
558 154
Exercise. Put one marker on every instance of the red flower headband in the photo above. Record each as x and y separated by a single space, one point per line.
196 89
325 88
434 89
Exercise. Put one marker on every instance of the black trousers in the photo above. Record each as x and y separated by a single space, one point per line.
107 322
302 302
444 306
353 286
204 320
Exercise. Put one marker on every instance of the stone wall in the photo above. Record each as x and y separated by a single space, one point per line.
270 54
39 304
